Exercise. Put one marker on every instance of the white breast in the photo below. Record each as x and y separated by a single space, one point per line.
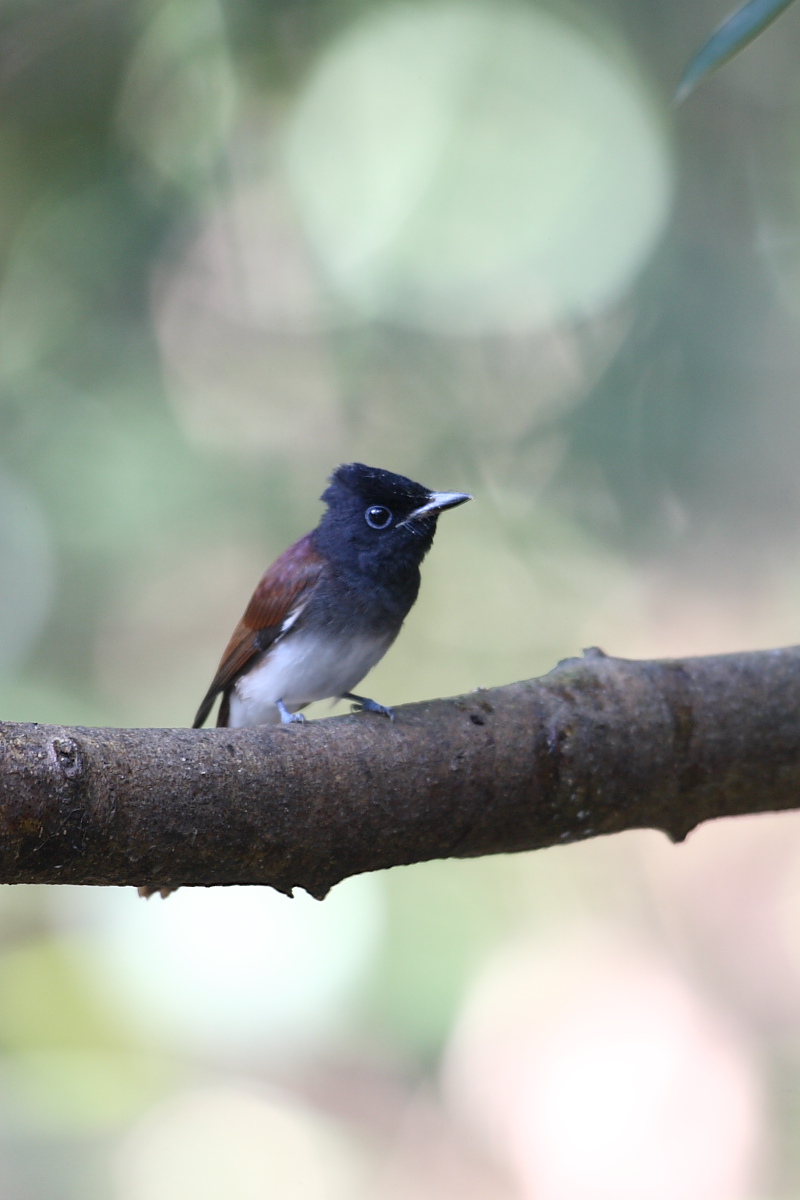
298 669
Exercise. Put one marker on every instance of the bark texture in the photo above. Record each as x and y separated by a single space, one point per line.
597 746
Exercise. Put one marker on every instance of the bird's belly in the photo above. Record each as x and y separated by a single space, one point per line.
301 668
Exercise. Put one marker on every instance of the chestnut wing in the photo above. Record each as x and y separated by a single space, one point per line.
283 592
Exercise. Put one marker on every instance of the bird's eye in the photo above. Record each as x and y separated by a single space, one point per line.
378 517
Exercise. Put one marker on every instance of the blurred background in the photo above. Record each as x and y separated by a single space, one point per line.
468 240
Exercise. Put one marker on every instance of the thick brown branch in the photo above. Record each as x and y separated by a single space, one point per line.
597 746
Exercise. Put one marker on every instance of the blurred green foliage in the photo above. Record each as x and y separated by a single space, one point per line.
736 32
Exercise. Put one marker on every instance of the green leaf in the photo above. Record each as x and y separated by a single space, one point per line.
732 36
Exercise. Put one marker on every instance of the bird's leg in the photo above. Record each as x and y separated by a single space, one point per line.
288 718
363 704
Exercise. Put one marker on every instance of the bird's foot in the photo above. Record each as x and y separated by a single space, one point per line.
146 892
288 718
364 704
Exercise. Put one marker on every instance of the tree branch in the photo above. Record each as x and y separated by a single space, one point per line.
597 746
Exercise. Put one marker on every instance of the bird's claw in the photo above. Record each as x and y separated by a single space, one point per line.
364 704
288 718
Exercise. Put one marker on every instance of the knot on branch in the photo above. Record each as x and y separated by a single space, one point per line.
67 757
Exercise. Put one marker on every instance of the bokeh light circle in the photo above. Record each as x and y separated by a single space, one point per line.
597 1073
471 167
237 1143
231 971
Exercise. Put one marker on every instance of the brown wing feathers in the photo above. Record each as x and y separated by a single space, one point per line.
286 585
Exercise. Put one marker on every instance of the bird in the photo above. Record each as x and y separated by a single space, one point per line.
330 606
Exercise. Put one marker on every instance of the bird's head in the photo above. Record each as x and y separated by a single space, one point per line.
381 521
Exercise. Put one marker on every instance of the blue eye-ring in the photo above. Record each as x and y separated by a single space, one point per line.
378 517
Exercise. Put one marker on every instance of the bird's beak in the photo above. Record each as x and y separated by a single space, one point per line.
436 503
